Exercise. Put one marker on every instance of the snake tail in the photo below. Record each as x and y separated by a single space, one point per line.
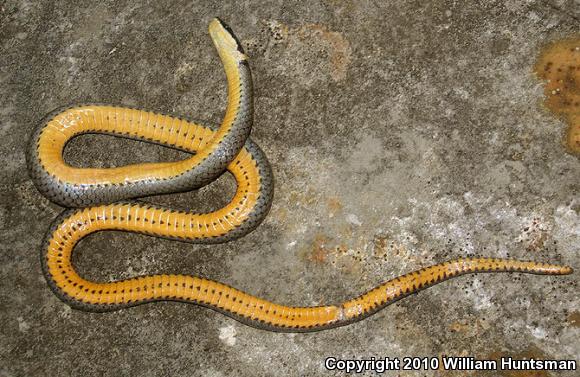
248 309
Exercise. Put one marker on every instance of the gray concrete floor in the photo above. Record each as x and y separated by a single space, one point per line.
401 134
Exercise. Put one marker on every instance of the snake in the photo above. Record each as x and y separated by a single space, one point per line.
105 199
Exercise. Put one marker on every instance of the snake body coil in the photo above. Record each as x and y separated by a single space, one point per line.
101 195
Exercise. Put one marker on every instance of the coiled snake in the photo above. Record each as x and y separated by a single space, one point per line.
101 196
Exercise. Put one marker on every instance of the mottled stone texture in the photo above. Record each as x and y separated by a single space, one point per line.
401 133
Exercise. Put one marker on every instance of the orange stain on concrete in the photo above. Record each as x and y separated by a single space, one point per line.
574 319
559 67
319 250
334 206
531 352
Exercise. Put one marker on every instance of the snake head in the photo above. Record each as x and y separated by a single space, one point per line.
225 40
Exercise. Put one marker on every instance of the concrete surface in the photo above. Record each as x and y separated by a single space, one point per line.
401 134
